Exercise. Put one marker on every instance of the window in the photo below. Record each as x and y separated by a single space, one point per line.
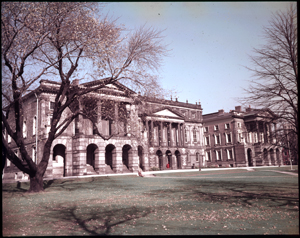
34 126
48 123
240 136
208 156
197 157
262 139
206 129
229 154
8 138
228 138
24 129
51 105
193 115
216 127
33 154
239 125
227 126
250 137
217 140
195 135
218 155
207 141
255 137
186 135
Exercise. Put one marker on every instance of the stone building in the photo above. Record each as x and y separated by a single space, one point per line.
240 138
137 132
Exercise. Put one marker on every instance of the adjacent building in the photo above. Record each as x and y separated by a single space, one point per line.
240 138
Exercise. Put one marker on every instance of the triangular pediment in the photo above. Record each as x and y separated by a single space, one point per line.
114 86
167 113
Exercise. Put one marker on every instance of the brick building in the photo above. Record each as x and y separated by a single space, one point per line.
140 132
240 138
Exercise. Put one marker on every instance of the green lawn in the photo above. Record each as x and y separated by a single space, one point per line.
229 202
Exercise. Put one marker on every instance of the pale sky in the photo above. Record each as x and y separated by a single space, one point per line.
210 42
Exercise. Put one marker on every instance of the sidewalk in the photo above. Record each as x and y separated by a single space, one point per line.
152 172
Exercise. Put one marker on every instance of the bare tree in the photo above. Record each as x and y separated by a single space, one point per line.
275 71
57 40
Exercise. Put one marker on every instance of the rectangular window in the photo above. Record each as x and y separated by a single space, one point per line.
228 138
206 129
33 154
255 137
262 138
227 126
207 140
229 154
250 137
24 129
34 126
208 156
217 139
218 155
216 127
186 135
240 136
195 136
51 105
239 125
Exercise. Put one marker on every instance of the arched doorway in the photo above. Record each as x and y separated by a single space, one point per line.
272 155
90 154
126 155
59 156
265 157
160 159
178 159
110 153
169 156
141 155
249 156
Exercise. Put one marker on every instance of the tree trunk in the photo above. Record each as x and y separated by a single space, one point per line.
36 183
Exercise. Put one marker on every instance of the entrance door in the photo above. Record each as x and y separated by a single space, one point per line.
250 159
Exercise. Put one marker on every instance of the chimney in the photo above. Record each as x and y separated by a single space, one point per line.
75 82
238 108
221 111
248 109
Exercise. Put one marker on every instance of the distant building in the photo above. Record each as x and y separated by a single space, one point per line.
240 138
143 132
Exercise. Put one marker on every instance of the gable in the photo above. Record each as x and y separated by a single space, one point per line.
166 113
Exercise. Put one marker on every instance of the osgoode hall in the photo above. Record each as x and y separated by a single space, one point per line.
140 132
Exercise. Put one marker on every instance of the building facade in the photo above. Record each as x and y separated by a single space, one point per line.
136 132
240 138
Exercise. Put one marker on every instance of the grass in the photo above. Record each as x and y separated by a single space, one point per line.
226 202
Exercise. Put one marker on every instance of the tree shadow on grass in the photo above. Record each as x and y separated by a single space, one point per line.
227 193
71 185
96 221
